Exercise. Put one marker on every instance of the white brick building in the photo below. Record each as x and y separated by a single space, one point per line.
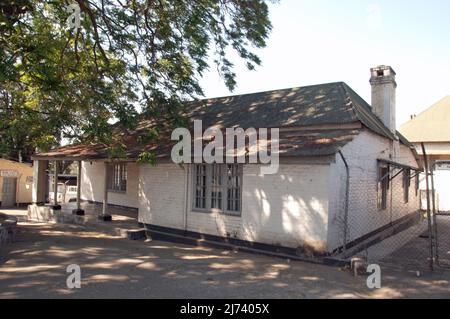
345 173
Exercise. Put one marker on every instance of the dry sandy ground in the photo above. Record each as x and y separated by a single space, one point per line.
111 267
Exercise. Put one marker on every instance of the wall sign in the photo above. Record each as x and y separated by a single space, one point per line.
442 166
9 173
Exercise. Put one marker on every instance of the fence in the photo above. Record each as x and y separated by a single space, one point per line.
402 225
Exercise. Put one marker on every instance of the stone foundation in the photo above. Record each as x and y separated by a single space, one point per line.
48 214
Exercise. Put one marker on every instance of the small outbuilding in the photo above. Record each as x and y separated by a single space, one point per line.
16 180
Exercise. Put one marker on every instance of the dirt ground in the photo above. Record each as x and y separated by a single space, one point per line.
112 267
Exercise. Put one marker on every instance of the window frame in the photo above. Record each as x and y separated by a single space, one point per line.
121 172
222 168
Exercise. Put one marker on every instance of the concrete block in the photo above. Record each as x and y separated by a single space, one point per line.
40 213
105 218
136 234
78 212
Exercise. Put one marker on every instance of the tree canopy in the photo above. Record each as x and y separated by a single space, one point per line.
127 59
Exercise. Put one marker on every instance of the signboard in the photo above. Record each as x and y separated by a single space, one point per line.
441 166
9 173
29 180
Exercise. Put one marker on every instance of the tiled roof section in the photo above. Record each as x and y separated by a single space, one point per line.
432 125
311 105
301 108
332 103
364 113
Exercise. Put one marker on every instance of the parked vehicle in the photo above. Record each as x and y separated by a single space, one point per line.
71 194
65 193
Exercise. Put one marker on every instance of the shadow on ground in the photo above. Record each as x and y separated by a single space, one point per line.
111 267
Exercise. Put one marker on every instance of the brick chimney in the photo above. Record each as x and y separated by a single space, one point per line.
383 94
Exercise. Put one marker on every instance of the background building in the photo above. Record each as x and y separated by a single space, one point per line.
432 127
16 180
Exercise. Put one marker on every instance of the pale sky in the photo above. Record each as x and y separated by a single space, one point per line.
321 41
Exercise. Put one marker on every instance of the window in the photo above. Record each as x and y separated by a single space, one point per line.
406 184
442 166
383 186
233 188
200 186
417 183
218 186
117 177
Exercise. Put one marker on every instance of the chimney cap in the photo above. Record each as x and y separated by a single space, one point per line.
382 74
382 70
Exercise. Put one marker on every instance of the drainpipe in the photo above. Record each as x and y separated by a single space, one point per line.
433 205
430 231
17 189
78 185
55 183
78 210
186 196
347 191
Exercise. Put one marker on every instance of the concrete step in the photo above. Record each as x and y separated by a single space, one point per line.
136 234
89 221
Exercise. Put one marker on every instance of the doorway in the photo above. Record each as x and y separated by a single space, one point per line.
9 191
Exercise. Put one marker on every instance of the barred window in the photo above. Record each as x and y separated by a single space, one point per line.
406 184
200 186
218 186
417 183
383 186
233 188
117 177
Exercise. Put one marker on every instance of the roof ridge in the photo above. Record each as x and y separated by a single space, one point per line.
348 98
267 91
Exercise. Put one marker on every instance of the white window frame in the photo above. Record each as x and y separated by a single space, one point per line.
117 177
224 188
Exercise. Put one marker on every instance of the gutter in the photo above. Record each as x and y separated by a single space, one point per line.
186 196
347 191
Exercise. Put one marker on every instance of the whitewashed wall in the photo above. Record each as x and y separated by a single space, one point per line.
161 195
289 208
363 216
93 181
301 205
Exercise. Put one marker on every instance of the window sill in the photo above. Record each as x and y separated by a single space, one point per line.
216 211
116 191
202 211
